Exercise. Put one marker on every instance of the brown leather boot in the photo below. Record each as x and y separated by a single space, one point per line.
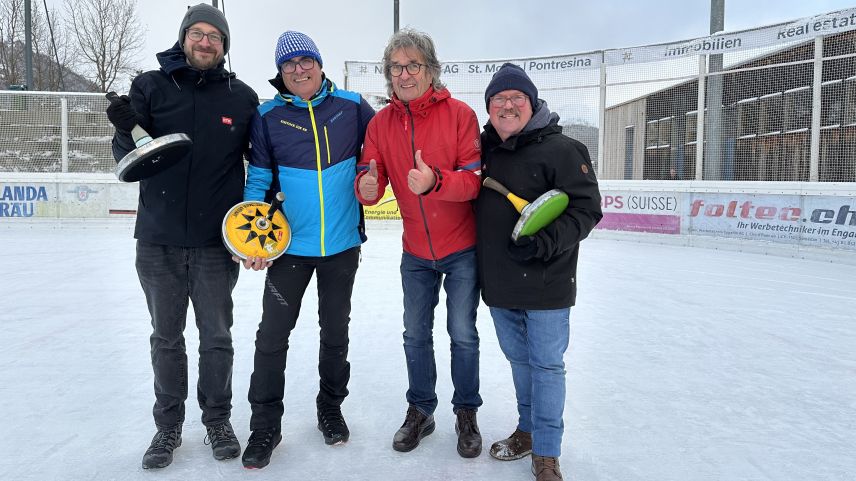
546 469
416 426
516 446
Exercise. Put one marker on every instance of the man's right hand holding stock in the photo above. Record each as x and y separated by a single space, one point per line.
121 113
368 182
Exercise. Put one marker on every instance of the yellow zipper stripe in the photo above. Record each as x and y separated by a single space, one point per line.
318 166
327 141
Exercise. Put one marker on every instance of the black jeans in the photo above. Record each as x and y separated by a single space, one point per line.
285 285
172 276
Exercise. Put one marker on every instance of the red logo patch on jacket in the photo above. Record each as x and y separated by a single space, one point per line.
226 120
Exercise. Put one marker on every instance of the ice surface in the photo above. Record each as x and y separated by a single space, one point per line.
685 364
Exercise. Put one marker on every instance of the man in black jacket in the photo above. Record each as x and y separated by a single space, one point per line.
180 254
530 284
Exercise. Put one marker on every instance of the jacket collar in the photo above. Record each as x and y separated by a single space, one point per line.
420 106
173 62
327 88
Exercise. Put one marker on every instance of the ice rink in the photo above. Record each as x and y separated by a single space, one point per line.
685 364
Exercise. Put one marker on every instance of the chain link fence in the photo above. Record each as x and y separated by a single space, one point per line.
54 132
778 104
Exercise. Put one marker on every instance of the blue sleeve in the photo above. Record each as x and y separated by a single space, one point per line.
259 173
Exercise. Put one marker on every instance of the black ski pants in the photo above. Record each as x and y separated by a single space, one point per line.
285 285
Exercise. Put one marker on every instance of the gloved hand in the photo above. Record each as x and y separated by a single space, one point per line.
121 114
523 249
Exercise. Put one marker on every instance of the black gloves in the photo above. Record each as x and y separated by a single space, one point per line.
121 114
524 249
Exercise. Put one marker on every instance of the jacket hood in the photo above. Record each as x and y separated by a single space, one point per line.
174 60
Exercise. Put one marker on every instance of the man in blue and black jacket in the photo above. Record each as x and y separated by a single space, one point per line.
180 252
306 142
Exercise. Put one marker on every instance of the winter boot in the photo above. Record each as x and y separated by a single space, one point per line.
546 469
223 442
469 437
416 426
332 425
159 454
516 446
260 447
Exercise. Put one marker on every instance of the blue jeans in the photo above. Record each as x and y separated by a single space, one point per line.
534 342
420 280
172 277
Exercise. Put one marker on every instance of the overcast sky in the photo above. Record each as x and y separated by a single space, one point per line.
462 29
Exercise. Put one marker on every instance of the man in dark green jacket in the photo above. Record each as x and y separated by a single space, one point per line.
530 284
180 253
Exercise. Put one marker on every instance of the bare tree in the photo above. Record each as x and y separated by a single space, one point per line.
109 36
11 41
53 52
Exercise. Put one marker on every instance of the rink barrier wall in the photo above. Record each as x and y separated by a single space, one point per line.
797 219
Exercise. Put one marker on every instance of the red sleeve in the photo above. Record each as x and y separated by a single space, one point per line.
463 183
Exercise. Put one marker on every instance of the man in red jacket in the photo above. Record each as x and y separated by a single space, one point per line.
425 144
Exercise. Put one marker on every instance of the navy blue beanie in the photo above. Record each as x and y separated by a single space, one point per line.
511 77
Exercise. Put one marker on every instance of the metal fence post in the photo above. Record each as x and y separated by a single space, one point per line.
699 152
601 116
816 104
64 132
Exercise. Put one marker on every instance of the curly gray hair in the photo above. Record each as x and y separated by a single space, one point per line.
422 43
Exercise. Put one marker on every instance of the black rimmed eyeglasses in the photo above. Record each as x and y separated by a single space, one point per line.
305 63
412 69
198 35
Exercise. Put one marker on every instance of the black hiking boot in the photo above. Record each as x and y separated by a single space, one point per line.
332 425
416 426
260 447
159 454
469 437
223 442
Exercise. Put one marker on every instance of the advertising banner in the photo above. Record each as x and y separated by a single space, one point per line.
27 200
798 30
652 212
386 209
822 221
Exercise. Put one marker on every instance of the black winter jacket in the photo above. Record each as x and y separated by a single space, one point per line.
529 164
184 205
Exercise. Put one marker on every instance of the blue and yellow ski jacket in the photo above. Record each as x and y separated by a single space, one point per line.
313 147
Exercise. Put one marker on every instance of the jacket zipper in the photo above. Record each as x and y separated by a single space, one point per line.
419 197
318 167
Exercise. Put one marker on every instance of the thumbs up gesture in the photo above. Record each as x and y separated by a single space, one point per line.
421 179
368 182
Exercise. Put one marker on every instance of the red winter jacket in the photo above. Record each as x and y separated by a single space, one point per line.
440 222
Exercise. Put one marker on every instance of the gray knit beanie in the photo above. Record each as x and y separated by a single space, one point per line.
208 14
511 77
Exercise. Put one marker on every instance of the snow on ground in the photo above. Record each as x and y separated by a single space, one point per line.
685 364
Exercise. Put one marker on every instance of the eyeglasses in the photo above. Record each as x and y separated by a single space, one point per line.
517 100
412 69
213 38
305 63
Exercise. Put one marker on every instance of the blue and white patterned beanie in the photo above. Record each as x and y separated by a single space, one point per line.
295 44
